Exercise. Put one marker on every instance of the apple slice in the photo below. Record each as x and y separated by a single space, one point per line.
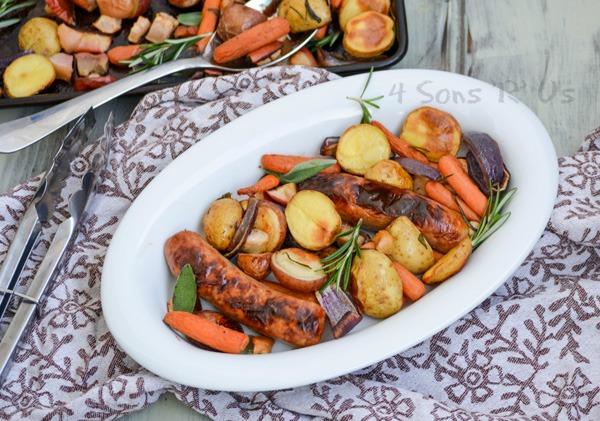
283 194
298 269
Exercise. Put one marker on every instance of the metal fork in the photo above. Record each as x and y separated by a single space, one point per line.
18 134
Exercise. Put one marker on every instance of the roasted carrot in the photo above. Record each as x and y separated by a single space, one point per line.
368 246
460 182
265 51
321 32
441 194
400 146
268 182
284 163
122 53
207 332
412 287
336 4
208 24
251 39
184 31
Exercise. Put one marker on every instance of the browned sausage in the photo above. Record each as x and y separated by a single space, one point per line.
378 205
243 298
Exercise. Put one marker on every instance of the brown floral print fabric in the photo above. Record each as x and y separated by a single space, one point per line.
530 351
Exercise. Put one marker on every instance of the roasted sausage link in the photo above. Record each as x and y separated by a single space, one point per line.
378 205
269 312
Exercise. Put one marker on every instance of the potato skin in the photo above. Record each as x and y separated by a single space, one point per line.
220 221
375 285
391 173
450 263
258 266
410 248
295 12
40 35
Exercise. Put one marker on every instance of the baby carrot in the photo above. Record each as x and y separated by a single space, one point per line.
460 182
251 39
321 32
284 163
441 194
208 24
265 51
121 53
268 182
368 246
412 286
207 332
400 146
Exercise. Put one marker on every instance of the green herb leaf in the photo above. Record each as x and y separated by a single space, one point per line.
492 219
364 103
303 170
184 296
190 19
327 41
160 52
338 264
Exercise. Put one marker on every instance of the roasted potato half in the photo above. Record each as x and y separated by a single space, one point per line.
449 264
40 35
410 248
391 173
257 266
28 75
312 219
305 15
375 285
352 8
369 34
360 147
433 132
271 220
298 269
220 222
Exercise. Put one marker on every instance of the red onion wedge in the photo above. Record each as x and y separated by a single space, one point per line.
341 311
414 167
486 166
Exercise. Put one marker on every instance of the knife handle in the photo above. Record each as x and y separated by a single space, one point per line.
18 253
36 291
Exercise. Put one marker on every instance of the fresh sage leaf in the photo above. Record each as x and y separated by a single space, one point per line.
184 296
303 170
190 19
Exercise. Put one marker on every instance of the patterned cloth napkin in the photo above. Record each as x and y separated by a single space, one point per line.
530 351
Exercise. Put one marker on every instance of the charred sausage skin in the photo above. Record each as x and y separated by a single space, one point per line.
237 295
378 205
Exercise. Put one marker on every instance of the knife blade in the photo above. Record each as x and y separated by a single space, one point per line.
64 236
41 207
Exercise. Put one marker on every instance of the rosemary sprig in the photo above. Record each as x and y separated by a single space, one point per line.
492 219
364 103
338 264
326 41
9 6
160 52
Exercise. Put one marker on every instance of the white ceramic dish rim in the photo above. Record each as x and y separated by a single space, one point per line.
133 305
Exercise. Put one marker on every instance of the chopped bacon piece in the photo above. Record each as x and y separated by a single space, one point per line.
108 25
88 64
139 29
73 41
162 27
62 9
89 5
63 66
92 82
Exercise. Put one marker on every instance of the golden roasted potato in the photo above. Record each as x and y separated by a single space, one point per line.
28 75
283 194
360 147
40 35
450 263
375 284
391 173
298 269
305 15
271 220
410 249
220 221
369 35
433 132
257 266
352 8
256 242
312 219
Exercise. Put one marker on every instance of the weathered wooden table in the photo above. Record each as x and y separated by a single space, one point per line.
545 53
